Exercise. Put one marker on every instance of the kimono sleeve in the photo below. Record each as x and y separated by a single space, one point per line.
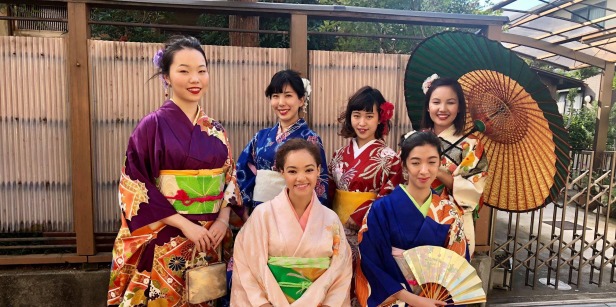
322 187
331 188
140 200
250 271
456 240
469 178
232 195
246 172
391 178
375 251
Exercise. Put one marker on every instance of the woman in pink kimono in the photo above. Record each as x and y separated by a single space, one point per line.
292 251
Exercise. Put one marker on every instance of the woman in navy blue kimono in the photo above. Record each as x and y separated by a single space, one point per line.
412 215
257 176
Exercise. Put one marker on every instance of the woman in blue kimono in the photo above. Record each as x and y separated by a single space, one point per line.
412 215
257 176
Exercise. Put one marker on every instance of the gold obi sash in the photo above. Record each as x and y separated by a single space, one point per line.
193 191
345 202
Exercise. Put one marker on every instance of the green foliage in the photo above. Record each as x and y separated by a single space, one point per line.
391 45
214 37
581 126
123 33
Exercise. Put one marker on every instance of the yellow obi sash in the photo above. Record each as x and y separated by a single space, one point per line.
193 191
345 202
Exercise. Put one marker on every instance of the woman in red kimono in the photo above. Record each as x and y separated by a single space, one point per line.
176 190
365 169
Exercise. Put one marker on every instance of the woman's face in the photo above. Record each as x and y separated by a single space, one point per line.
364 124
188 76
422 165
300 173
286 105
443 107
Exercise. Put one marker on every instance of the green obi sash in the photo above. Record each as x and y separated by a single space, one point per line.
193 191
295 275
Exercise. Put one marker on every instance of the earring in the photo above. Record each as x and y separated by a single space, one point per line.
166 92
305 108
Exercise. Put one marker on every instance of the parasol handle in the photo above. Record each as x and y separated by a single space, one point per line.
478 125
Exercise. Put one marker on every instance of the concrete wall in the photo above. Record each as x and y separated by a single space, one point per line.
51 288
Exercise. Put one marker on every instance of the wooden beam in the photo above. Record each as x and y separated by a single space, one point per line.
246 23
556 49
543 13
494 32
299 44
42 259
603 114
332 12
81 138
298 59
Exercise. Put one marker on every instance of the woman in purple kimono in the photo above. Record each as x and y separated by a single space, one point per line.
176 190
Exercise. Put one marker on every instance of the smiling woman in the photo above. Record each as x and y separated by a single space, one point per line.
257 172
412 215
172 154
301 242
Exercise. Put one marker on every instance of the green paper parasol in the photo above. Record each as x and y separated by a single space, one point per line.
526 143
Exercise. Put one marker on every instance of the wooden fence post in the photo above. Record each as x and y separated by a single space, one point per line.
298 59
80 126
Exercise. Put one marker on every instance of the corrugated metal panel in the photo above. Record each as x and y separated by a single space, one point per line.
122 95
35 192
337 75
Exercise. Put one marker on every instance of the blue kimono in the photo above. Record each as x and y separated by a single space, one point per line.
260 152
395 221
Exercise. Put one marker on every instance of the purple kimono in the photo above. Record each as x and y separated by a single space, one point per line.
149 257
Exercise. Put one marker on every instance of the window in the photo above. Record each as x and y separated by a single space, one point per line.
589 13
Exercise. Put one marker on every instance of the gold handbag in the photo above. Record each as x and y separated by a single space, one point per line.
205 283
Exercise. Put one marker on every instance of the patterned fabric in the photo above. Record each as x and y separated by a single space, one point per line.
273 231
377 170
196 192
395 222
260 152
149 257
468 165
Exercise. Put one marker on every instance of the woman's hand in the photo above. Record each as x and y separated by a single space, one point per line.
198 234
218 230
416 300
445 177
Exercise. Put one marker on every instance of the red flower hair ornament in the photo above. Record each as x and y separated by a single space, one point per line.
385 114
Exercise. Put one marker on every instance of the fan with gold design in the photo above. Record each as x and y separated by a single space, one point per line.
525 141
444 275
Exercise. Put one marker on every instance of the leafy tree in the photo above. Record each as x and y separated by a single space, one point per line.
581 126
123 33
412 33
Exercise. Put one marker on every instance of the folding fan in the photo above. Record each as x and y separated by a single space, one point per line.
444 275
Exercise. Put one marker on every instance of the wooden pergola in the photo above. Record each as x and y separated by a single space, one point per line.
566 34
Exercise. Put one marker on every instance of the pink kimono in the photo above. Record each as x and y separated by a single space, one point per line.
277 262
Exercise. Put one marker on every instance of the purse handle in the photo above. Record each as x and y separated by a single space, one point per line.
193 262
